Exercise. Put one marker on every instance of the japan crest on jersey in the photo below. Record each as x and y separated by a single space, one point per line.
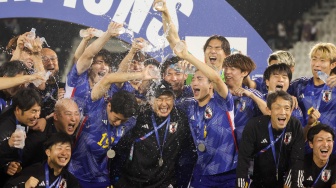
173 127
288 137
326 97
63 183
208 112
243 105
325 175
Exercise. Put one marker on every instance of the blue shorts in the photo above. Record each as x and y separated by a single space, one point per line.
222 180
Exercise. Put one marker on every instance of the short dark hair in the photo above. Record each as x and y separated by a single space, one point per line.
26 98
106 55
13 68
272 97
124 103
278 68
333 71
317 129
168 62
225 43
240 61
55 138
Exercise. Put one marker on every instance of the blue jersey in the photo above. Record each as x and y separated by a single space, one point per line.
127 87
89 158
186 93
81 92
213 126
260 85
244 109
321 97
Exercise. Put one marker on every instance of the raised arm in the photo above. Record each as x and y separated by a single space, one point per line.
8 82
104 84
82 45
209 72
136 47
85 60
169 27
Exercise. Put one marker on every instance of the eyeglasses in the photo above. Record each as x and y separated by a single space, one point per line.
46 58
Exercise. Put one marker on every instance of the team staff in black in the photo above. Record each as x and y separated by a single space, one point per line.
319 166
271 162
52 172
156 143
24 113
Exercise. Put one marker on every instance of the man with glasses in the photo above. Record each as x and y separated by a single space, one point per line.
50 94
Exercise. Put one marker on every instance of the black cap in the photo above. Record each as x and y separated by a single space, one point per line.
161 88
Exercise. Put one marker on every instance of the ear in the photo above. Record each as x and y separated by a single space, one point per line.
310 144
17 111
55 116
47 151
267 83
268 110
333 65
108 107
245 73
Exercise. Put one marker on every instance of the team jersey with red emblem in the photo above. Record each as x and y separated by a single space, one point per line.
311 173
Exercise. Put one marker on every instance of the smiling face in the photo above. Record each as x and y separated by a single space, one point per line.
175 78
28 117
163 104
322 146
214 54
59 155
50 60
278 81
66 117
98 69
234 76
320 62
280 111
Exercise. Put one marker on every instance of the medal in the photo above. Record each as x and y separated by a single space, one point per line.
160 161
201 147
111 153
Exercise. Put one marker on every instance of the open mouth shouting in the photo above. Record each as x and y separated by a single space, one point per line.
101 73
71 128
196 92
212 60
279 87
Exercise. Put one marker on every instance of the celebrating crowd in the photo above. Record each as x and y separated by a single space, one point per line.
145 125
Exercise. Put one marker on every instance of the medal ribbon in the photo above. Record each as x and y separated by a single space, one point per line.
318 177
157 133
57 181
150 133
272 140
319 99
117 135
